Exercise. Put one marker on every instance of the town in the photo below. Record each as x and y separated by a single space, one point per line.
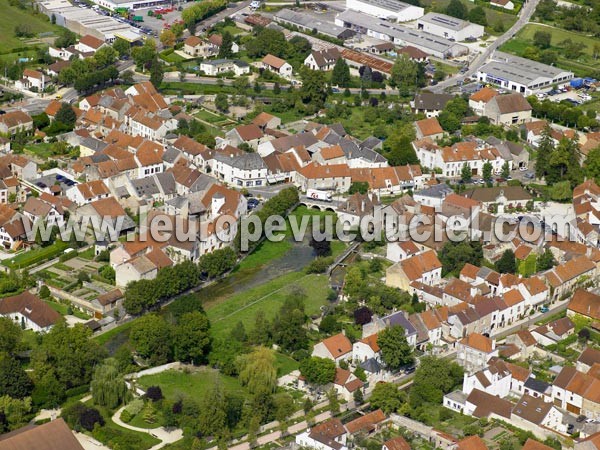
335 225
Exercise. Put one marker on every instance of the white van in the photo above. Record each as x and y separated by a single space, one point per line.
255 4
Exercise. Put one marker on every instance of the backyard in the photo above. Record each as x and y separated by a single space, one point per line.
31 257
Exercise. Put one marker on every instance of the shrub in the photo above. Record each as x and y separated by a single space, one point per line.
154 393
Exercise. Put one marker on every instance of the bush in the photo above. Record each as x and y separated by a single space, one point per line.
44 292
320 264
126 416
79 416
154 393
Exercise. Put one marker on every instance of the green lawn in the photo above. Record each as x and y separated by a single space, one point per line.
193 385
63 310
11 17
41 150
285 364
527 266
35 256
209 117
585 65
268 298
106 337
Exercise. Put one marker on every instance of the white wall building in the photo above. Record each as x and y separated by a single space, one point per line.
449 27
388 9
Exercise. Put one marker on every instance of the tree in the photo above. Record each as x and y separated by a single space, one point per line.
545 261
477 15
318 370
362 315
362 187
449 121
79 416
288 326
68 353
545 149
122 47
10 336
591 165
387 397
457 9
340 76
144 55
151 338
108 386
405 73
487 171
507 262
154 393
191 337
157 72
225 50
167 38
66 115
399 149
221 102
434 378
14 381
257 371
395 349
454 255
13 412
542 39
313 91
505 170
330 324
465 173
358 397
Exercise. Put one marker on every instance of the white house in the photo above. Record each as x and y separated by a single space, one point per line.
494 379
89 43
31 79
391 9
424 267
29 312
244 170
213 67
506 4
338 348
365 349
277 65
89 192
475 350
328 435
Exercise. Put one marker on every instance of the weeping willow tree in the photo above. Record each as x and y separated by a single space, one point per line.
108 386
257 371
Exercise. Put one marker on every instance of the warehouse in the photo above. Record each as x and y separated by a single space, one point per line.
399 35
387 9
307 22
449 27
84 21
114 4
522 75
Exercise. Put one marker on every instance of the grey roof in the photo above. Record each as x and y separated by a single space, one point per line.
457 396
247 161
371 365
399 319
311 21
506 148
522 70
371 142
536 385
93 144
354 151
218 62
177 202
398 33
431 101
171 155
106 101
166 182
99 157
395 6
338 128
442 20
145 186
437 191
202 183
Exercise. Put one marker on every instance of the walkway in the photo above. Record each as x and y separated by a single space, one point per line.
161 433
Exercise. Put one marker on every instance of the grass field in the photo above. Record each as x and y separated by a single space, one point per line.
41 150
11 17
193 385
62 309
585 65
268 298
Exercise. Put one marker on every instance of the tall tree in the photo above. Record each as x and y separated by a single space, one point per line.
10 336
225 50
191 337
14 381
157 72
257 371
544 153
457 9
395 349
66 115
318 370
487 171
465 173
387 397
108 386
289 325
340 76
434 378
213 416
477 15
151 338
507 262
405 73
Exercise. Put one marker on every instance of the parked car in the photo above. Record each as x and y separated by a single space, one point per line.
544 309
530 175
252 203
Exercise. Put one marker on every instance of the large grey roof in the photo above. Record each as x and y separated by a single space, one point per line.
145 186
399 319
391 5
442 20
94 144
437 191
398 32
171 154
218 62
166 180
310 21
247 161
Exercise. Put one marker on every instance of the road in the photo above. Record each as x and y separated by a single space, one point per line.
481 59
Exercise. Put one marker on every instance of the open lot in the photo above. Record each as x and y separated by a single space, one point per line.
585 65
11 17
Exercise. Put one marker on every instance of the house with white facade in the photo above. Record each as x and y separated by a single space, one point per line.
277 65
328 435
214 67
337 348
245 170
424 267
474 351
29 312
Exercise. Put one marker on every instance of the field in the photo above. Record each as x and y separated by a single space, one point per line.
585 65
268 298
11 17
193 385
38 255
42 150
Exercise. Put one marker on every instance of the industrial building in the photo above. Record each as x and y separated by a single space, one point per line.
307 22
449 27
399 35
522 75
85 21
114 4
387 9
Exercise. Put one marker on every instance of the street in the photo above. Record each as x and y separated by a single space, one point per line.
524 16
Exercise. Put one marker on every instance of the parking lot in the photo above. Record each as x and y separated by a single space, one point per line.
155 24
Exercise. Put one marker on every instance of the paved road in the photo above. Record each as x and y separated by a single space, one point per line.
524 16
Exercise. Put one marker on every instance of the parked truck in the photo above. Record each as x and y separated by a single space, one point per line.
137 19
316 194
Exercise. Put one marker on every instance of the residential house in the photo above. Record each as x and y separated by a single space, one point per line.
509 109
322 60
584 304
587 359
266 121
535 415
366 349
346 383
479 99
553 332
474 351
217 41
32 80
481 404
430 104
50 435
89 44
245 170
494 379
328 435
505 4
471 443
564 277
337 347
29 312
324 177
85 193
429 128
214 67
39 209
197 47
367 424
14 121
424 267
251 134
397 443
577 392
12 229
109 301
277 65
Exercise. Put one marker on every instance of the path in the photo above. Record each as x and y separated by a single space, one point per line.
161 433
524 16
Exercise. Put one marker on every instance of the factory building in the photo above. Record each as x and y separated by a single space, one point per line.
449 27
394 10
